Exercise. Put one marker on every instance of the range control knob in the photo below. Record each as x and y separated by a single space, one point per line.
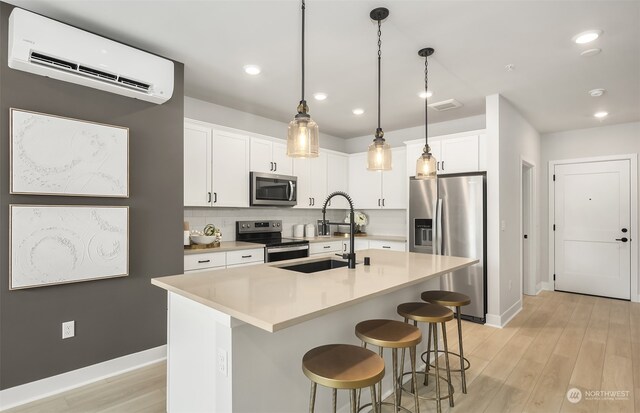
243 226
273 225
278 224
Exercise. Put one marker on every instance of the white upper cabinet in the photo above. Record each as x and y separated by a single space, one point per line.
462 152
270 157
216 167
230 169
312 180
197 165
375 189
337 179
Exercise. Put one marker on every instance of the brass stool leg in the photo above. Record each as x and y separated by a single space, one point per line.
353 401
374 404
396 396
364 345
400 377
446 359
414 378
381 354
312 399
462 371
437 379
426 367
334 399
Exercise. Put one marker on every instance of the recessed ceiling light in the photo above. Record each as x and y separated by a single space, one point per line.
252 70
587 37
510 67
320 96
601 115
425 95
596 92
590 52
358 111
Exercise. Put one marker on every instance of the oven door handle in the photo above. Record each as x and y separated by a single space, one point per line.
271 250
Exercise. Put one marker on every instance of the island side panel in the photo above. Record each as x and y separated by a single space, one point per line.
196 335
267 373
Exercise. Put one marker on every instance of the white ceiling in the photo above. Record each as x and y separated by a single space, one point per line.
474 40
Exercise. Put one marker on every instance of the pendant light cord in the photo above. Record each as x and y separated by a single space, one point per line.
303 9
426 105
379 59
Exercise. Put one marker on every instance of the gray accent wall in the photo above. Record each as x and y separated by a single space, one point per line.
114 317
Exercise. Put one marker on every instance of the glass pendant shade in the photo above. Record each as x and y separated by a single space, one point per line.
379 156
426 166
302 138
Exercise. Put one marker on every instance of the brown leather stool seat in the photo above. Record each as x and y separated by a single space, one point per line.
457 300
391 334
342 366
433 314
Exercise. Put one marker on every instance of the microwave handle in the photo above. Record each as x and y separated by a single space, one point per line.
290 196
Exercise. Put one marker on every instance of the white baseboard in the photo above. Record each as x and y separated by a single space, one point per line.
547 285
635 298
25 393
499 321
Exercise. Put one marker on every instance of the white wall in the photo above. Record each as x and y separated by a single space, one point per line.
620 139
397 137
511 138
232 118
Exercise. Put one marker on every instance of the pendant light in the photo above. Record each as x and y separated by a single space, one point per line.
379 154
302 135
426 164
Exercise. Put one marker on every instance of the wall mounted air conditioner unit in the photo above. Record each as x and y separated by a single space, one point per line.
49 48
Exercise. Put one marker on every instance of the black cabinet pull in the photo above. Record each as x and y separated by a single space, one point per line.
443 165
623 239
208 196
275 166
327 246
386 247
378 201
203 261
624 230
438 165
215 197
247 256
382 201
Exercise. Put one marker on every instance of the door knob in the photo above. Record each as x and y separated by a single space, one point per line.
624 230
623 239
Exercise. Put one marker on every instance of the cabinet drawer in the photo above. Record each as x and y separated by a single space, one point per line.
204 260
387 245
245 256
322 247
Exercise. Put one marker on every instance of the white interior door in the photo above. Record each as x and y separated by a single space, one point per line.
593 235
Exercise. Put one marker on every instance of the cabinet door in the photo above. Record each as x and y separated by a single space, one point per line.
302 170
387 245
460 154
318 175
436 151
395 181
337 179
283 165
364 186
414 151
261 156
230 170
197 165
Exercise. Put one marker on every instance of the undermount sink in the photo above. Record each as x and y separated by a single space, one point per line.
316 266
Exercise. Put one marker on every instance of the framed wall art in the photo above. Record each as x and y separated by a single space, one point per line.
65 244
54 155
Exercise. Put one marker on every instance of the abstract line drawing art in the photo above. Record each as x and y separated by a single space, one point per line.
53 155
65 244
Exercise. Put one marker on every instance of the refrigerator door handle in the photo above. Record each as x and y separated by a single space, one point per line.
440 233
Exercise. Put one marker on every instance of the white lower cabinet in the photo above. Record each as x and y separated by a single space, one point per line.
222 260
324 247
359 244
387 245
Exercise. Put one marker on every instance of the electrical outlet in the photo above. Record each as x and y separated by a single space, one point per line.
68 329
503 225
222 362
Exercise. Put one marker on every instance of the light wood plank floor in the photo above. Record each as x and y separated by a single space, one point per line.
557 342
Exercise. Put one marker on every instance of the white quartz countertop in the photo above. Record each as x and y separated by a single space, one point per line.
272 298
226 246
364 237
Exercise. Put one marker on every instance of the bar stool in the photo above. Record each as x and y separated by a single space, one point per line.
342 366
457 300
394 335
432 314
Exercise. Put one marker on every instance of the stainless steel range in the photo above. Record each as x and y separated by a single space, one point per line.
269 233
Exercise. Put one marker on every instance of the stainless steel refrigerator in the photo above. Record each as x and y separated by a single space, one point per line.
447 216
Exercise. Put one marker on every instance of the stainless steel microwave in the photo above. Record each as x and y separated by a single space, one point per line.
272 190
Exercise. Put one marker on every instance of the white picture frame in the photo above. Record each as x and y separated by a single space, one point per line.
60 244
55 155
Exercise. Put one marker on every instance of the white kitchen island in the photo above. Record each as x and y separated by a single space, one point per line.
236 337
